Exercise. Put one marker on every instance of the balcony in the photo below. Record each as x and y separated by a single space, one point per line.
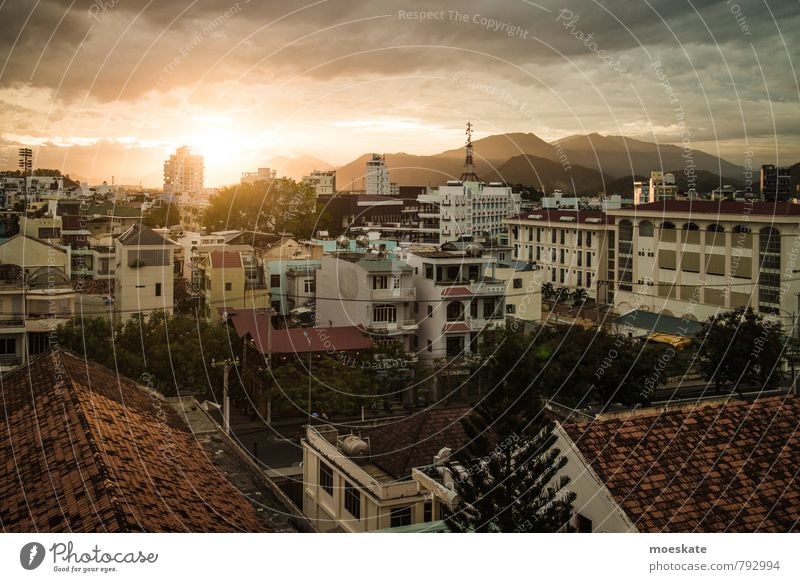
488 287
483 323
10 360
397 294
393 327
14 320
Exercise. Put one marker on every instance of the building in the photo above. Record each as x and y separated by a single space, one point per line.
103 454
144 277
372 290
362 482
231 279
726 466
261 175
776 184
184 173
660 187
377 176
323 182
694 259
570 246
523 282
34 301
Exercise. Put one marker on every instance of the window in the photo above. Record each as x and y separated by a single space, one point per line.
352 499
580 257
538 253
427 511
455 311
310 285
326 477
580 279
538 235
553 236
158 289
274 280
488 308
415 341
8 346
428 271
228 287
562 261
563 236
380 282
561 275
148 258
384 314
455 345
430 310
588 239
400 516
473 308
584 524
588 259
646 228
517 283
511 308
580 237
430 346
589 280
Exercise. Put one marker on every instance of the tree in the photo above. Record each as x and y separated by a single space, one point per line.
579 295
506 478
267 206
547 290
162 216
740 347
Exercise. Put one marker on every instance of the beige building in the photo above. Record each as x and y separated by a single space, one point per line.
184 173
231 279
523 289
144 273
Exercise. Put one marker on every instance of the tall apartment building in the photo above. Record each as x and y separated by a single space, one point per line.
184 173
776 183
660 187
569 246
377 176
323 182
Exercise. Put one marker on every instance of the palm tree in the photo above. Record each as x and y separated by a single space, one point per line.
579 295
547 290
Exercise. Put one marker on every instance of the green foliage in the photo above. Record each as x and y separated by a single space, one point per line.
337 386
740 347
269 206
175 351
162 216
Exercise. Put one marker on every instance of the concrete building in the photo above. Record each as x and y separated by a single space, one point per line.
660 187
231 280
371 290
144 277
569 246
184 173
523 282
776 184
323 182
377 176
261 175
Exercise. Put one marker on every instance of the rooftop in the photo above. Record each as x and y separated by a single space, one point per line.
554 215
139 234
95 452
226 260
704 468
659 323
715 207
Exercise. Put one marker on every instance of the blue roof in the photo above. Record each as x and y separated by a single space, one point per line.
660 323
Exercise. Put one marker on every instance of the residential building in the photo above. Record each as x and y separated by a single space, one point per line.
323 182
41 221
362 482
776 184
377 176
261 175
143 281
724 466
570 246
660 187
232 280
694 259
523 281
102 453
184 173
373 290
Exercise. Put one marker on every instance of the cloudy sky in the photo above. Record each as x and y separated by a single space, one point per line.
110 87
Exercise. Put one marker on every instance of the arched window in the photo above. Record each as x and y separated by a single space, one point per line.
741 229
646 228
667 226
716 228
384 314
625 230
690 226
455 311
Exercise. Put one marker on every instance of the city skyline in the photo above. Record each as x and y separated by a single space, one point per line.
111 89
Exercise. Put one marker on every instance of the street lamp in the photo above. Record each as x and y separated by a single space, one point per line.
308 339
226 366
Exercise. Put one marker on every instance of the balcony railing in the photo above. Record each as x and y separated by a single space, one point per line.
491 287
8 360
16 320
397 294
401 325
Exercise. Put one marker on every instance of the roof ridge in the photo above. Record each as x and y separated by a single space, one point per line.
107 482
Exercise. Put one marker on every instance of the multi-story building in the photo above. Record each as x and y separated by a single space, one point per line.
184 173
377 176
323 182
523 282
144 276
375 291
568 245
231 280
693 259
261 175
776 183
660 187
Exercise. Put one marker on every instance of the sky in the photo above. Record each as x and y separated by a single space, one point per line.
108 88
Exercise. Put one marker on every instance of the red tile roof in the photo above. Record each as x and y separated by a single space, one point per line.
456 291
226 260
714 468
89 451
453 327
717 207
401 445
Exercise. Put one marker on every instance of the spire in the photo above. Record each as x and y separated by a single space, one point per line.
468 174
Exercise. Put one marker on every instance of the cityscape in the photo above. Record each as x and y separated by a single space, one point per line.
511 271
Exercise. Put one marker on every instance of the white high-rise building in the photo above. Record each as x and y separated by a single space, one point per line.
184 173
377 176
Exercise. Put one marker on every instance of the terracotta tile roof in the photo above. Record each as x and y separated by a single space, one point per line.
714 468
89 451
456 291
456 327
226 260
412 442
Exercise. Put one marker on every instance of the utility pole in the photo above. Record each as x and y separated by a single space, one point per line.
26 165
308 339
226 366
